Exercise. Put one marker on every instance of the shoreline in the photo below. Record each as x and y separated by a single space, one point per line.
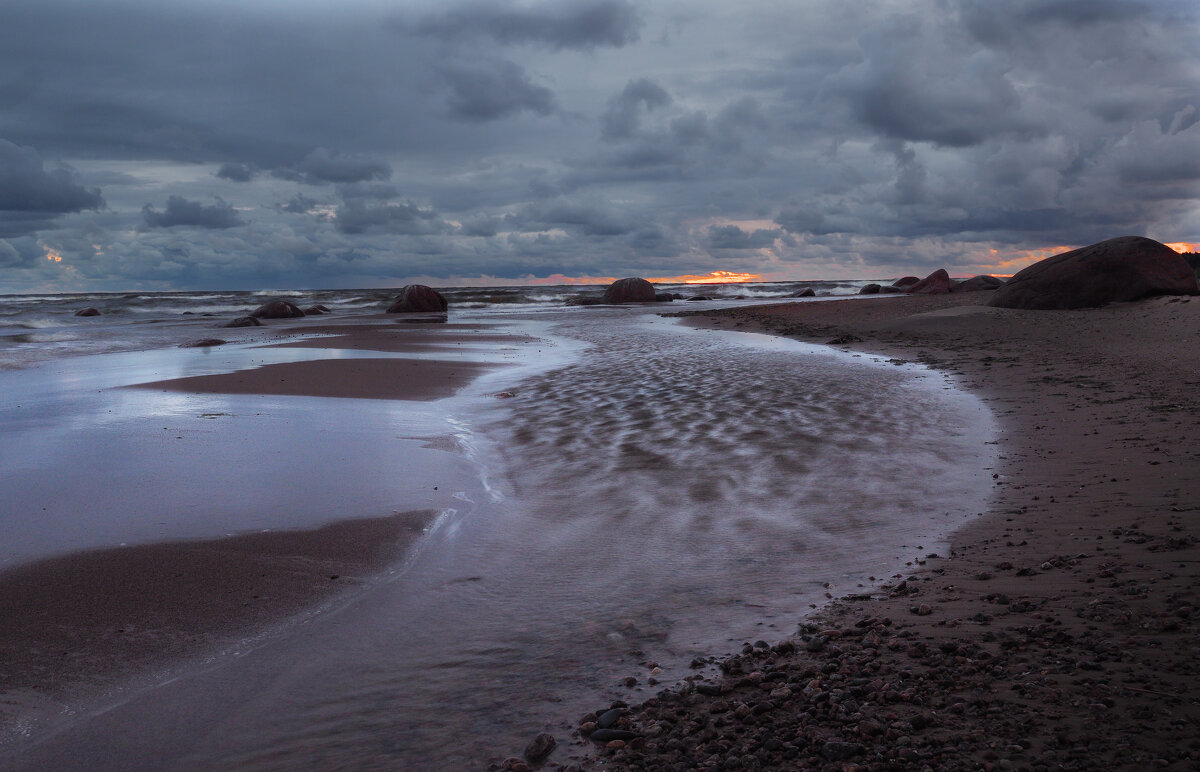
1069 606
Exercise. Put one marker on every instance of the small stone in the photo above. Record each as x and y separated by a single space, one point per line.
608 719
835 750
540 747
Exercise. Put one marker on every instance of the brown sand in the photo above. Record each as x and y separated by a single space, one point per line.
1064 631
396 339
94 618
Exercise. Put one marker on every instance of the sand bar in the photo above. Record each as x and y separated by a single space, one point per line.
1064 632
93 618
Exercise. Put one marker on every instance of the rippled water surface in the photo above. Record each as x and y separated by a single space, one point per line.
667 493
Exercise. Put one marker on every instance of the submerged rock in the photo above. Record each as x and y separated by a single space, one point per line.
807 292
316 310
1117 270
540 747
243 321
277 308
205 343
630 290
88 312
871 289
418 298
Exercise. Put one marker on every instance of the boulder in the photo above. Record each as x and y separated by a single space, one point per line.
807 292
870 289
630 290
418 298
664 297
277 309
906 281
88 312
316 310
978 283
243 321
1121 269
936 283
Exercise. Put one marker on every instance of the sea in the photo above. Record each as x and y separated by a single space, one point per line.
622 497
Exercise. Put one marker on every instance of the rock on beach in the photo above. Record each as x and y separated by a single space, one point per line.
1117 270
936 283
418 298
277 308
629 290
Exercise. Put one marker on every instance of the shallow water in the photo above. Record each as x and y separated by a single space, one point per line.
651 494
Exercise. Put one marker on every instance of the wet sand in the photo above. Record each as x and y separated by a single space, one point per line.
93 618
1063 632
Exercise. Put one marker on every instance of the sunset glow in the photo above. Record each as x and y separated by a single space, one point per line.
716 277
1185 246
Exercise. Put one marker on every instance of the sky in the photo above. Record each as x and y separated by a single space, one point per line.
249 144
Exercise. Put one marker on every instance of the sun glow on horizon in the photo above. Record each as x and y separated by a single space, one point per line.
716 277
1184 246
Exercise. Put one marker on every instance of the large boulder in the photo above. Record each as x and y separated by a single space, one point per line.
631 290
870 289
979 283
418 298
277 309
905 281
1121 269
936 283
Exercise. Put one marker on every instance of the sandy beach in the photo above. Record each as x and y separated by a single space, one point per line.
1061 632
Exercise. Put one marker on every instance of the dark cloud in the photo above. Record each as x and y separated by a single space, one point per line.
300 204
26 186
323 166
490 91
591 216
182 212
623 115
236 172
358 215
556 24
733 237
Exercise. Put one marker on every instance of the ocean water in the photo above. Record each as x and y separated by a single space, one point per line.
649 493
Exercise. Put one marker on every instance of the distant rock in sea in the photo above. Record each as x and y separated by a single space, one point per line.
88 312
936 283
278 308
418 298
630 290
807 292
1117 270
316 310
870 289
980 283
243 321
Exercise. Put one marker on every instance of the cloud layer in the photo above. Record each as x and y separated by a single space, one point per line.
163 144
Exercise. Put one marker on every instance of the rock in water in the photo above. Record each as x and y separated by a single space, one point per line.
540 747
870 289
205 343
418 298
936 283
630 290
978 283
88 312
243 321
1121 269
277 309
807 292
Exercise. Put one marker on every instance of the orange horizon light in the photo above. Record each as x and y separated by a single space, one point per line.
1184 246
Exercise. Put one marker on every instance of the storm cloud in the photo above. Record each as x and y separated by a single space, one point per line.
509 138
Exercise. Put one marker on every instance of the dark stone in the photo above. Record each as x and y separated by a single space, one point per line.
835 750
316 310
88 312
870 289
1117 270
807 292
629 290
243 321
978 283
664 297
609 718
418 298
540 747
905 281
608 735
586 300
701 297
277 309
936 283
207 342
